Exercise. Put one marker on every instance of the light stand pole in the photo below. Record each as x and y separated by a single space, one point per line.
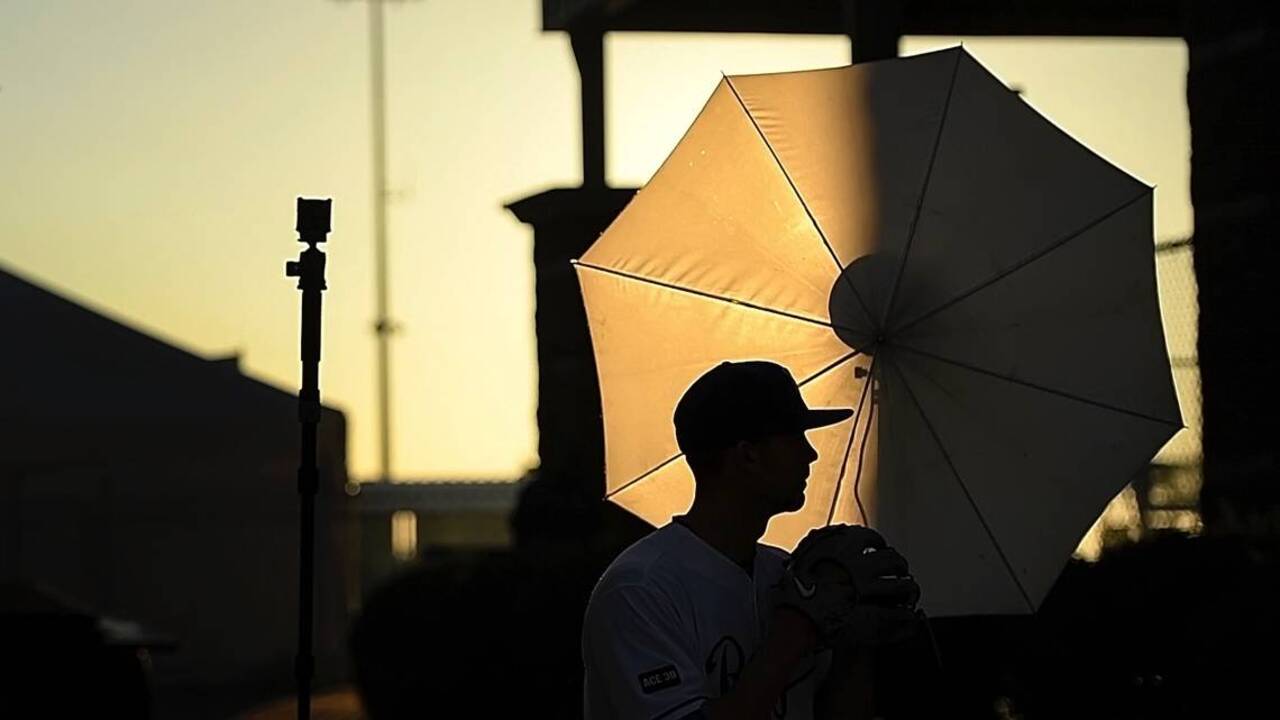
313 229
383 325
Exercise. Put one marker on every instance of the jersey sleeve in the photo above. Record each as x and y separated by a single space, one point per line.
638 657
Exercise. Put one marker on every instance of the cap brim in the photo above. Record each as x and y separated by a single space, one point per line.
822 418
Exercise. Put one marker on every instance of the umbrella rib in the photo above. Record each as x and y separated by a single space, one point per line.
707 295
853 434
928 176
964 488
800 198
862 453
832 366
1020 265
1036 386
677 456
644 475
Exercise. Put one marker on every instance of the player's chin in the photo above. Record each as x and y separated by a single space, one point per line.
795 502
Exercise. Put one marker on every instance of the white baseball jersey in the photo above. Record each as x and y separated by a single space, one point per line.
672 623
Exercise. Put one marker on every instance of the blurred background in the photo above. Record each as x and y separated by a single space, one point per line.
151 152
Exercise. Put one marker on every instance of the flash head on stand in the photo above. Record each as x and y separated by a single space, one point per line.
313 219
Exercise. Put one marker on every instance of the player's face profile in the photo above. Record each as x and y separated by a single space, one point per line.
784 462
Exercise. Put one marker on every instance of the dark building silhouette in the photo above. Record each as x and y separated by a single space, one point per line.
154 485
563 501
1235 147
402 522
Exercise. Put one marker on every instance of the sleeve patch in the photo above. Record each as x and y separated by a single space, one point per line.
654 680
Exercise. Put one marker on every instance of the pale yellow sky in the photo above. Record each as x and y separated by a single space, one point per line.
151 150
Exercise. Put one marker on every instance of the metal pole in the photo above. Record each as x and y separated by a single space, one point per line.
382 324
875 29
588 52
313 227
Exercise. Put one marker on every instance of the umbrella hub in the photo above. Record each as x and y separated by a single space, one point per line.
856 304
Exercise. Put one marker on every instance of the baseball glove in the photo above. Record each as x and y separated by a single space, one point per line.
854 588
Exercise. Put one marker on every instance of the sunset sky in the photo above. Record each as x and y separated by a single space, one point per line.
151 151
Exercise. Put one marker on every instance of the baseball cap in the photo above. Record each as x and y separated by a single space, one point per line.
747 400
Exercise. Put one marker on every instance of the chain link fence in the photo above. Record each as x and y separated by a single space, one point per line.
1166 497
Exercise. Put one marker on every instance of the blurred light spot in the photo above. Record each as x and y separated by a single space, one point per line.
404 534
